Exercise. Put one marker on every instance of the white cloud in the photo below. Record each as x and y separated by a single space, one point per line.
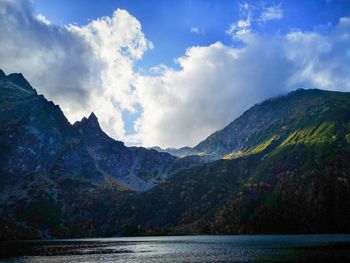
250 15
195 30
321 60
216 83
43 19
82 68
271 13
243 26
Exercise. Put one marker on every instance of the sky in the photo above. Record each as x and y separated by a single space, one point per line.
171 72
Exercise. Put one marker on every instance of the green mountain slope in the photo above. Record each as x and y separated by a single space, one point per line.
301 188
275 119
281 167
291 177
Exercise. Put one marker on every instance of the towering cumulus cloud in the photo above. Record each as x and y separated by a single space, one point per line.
82 68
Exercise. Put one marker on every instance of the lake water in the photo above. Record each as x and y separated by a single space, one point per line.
238 248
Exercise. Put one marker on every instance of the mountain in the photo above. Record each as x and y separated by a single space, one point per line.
35 136
41 134
291 175
47 162
264 123
283 166
135 168
43 162
178 152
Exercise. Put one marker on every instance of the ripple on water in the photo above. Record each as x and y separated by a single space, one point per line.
246 248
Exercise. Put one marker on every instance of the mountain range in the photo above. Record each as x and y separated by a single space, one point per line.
281 167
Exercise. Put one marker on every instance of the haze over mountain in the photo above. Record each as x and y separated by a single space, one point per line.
282 166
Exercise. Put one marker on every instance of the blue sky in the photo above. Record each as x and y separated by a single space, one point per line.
167 23
171 72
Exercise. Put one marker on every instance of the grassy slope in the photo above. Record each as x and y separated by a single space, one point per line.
294 178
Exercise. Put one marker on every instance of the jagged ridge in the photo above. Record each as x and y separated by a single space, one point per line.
284 168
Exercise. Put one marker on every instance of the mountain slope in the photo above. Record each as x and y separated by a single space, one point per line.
35 136
284 168
48 166
40 153
291 177
273 119
135 167
300 188
178 152
35 133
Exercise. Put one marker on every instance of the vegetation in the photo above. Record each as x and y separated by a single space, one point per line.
283 167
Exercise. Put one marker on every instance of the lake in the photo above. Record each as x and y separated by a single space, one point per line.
235 248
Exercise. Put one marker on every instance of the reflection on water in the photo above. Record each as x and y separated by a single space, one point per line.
247 248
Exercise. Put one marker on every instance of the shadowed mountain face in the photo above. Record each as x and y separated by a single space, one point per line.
38 138
42 156
281 167
134 167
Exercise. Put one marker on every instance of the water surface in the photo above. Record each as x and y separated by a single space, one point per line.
238 248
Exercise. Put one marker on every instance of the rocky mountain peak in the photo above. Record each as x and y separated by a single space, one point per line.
19 79
89 123
91 130
93 118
